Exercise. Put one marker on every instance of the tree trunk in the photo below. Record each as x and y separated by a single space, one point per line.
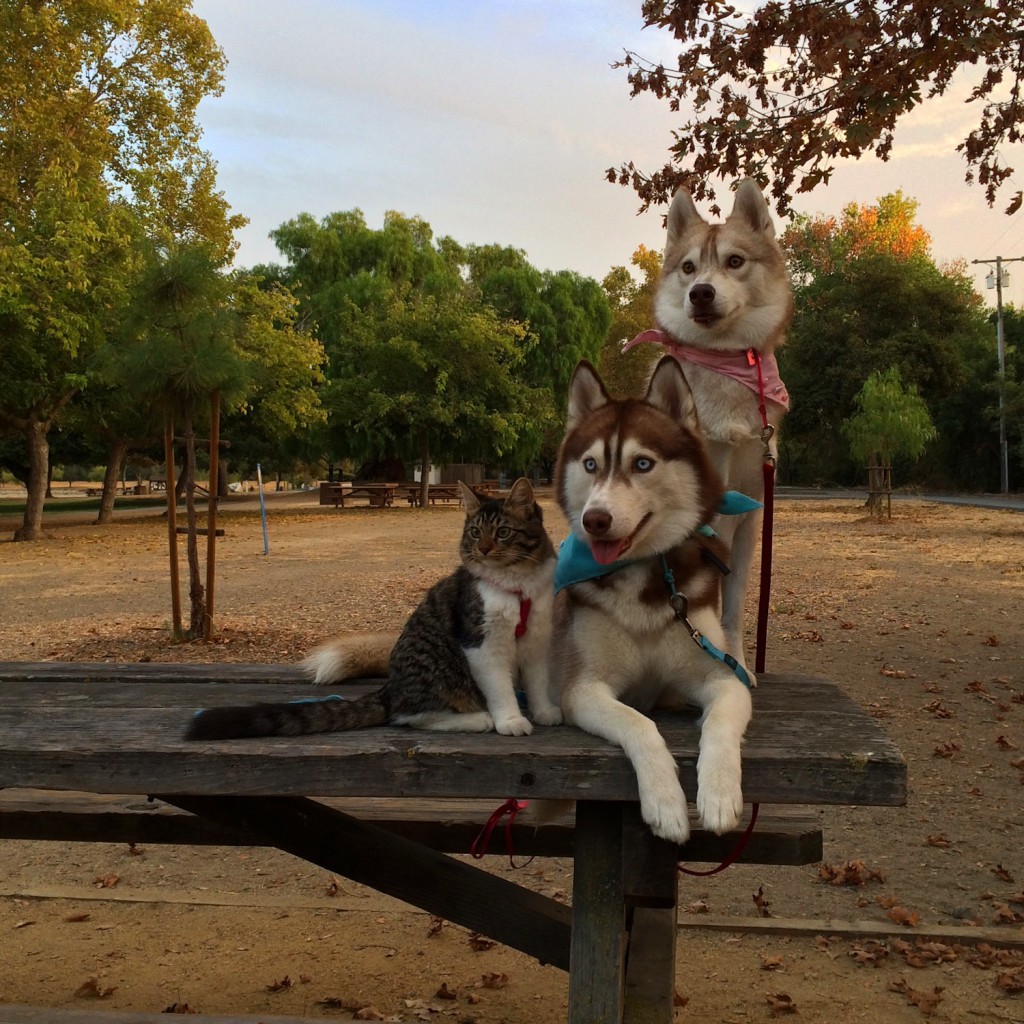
115 457
197 597
38 472
222 478
879 501
424 469
172 525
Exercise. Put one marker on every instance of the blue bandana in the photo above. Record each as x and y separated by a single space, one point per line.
576 561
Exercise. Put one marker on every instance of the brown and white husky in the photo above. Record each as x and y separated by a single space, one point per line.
722 307
637 487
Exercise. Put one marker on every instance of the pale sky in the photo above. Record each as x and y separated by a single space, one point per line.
494 121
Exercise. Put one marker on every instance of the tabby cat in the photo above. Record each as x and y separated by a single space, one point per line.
455 665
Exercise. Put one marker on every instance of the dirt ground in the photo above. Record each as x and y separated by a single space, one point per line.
919 619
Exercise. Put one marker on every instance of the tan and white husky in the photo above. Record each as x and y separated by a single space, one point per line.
722 307
636 484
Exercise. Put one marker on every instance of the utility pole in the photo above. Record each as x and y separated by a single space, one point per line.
997 279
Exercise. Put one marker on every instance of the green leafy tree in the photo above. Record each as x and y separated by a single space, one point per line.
381 301
98 146
865 305
781 91
890 420
632 304
433 380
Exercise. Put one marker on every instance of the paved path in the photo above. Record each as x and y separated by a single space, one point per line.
1013 502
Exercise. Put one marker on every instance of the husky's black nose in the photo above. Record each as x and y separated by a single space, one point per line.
702 295
597 522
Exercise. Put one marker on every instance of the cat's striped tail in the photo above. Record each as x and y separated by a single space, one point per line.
288 718
351 656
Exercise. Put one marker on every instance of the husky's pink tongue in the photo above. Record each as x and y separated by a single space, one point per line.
607 551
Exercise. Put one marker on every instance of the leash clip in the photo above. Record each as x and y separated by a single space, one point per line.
679 605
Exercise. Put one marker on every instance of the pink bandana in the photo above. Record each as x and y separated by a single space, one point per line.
741 366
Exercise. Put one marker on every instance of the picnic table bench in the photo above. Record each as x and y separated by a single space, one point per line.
82 747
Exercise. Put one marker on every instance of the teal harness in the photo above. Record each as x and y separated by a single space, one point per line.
576 564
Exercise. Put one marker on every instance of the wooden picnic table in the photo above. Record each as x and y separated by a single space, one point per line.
116 729
435 493
379 494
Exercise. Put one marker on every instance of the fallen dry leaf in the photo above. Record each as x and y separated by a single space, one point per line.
761 903
938 840
106 881
480 943
853 872
947 749
280 986
780 1002
1002 874
926 1002
76 918
1005 744
179 1008
444 992
91 988
771 963
494 980
904 916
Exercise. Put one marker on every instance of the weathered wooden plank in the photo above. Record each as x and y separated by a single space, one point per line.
807 743
451 826
50 1015
652 894
597 959
650 967
79 671
432 881
967 935
140 750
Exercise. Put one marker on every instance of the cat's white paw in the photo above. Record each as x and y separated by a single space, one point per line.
550 715
720 802
516 726
666 814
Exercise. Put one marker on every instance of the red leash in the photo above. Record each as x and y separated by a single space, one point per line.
767 521
511 807
734 854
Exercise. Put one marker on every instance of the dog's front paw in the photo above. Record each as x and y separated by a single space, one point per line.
720 804
667 816
514 726
550 715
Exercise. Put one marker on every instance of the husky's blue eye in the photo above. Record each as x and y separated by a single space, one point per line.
590 465
642 464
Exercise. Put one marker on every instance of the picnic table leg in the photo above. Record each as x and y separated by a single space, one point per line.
597 953
652 889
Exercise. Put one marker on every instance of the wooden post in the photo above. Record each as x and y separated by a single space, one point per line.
172 524
211 512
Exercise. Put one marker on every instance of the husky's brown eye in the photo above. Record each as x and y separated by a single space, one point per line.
735 262
688 267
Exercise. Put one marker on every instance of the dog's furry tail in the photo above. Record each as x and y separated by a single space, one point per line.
351 656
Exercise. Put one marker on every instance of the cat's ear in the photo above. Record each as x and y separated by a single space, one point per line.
520 501
469 499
